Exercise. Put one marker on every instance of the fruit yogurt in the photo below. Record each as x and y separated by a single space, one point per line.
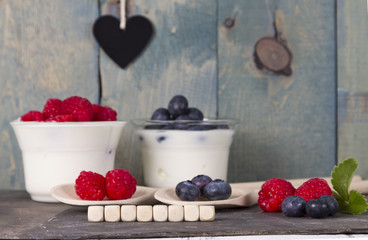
55 153
170 156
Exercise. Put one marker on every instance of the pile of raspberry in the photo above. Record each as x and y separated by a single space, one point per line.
275 190
118 184
72 109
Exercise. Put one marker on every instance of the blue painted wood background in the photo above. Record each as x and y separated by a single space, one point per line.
296 126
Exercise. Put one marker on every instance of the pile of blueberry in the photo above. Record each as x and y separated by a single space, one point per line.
295 206
203 185
180 117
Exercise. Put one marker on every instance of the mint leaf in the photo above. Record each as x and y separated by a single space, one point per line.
351 202
356 204
342 175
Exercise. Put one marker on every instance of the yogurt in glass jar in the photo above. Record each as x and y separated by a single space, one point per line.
174 151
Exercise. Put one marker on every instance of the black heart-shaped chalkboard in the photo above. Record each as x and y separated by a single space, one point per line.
123 46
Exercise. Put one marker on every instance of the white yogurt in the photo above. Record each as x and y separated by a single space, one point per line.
55 153
172 156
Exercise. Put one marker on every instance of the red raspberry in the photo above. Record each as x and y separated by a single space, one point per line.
90 186
101 113
52 108
32 116
61 118
120 184
80 108
313 188
273 193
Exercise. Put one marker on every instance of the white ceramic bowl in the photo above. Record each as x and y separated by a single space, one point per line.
55 153
172 155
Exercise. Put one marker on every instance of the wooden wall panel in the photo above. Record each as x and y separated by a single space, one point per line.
352 30
181 59
46 50
287 123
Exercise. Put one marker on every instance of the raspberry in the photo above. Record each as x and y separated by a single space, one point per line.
52 108
120 184
80 108
101 113
60 118
313 188
32 116
90 186
273 193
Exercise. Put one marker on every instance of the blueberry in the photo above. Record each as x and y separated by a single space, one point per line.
153 127
178 105
201 181
160 139
196 128
293 206
168 127
181 125
222 126
183 117
161 114
332 204
195 114
217 190
317 208
187 191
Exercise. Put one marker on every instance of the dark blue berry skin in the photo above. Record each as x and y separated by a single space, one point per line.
161 114
178 105
223 126
160 139
196 128
187 191
183 117
317 208
332 204
201 181
153 127
293 206
195 114
217 190
168 127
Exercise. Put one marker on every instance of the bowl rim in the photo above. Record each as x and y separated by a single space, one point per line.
19 123
144 121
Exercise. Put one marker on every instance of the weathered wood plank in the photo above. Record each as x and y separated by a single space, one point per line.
287 123
352 33
46 50
181 59
22 218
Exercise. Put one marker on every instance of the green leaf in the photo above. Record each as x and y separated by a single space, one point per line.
357 204
342 176
353 202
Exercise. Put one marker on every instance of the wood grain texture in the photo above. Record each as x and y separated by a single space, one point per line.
46 50
287 123
352 36
180 59
22 218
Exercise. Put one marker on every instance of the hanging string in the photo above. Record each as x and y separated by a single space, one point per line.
122 14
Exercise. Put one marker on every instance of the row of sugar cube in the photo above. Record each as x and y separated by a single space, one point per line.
147 213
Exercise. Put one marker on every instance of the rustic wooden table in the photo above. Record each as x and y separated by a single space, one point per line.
20 217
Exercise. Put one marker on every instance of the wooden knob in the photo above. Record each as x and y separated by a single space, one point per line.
273 55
